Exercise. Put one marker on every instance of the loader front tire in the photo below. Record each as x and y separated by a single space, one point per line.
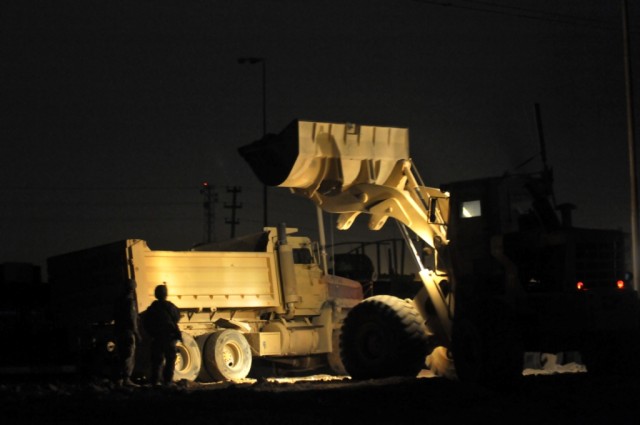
227 355
383 336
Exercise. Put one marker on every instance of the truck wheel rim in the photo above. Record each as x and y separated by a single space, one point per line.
183 359
232 355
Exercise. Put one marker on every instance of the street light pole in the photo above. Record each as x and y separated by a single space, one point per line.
631 148
263 62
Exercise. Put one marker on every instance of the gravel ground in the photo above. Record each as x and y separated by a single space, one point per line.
550 398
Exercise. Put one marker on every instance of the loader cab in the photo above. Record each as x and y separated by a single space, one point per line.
478 211
509 226
499 205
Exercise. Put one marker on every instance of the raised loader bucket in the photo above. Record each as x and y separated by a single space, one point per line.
350 169
327 157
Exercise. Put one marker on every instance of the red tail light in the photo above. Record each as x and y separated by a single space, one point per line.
620 284
580 286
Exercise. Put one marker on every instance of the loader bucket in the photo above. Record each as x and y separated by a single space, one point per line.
327 157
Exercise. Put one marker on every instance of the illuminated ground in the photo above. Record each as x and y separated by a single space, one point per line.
545 397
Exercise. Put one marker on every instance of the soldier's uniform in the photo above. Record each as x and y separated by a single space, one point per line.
161 322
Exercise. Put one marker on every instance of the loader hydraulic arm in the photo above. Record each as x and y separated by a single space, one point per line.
349 169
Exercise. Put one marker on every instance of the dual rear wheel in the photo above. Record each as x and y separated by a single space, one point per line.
218 356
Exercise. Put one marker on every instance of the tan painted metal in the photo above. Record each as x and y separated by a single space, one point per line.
350 169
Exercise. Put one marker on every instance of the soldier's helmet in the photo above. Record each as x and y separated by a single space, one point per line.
161 292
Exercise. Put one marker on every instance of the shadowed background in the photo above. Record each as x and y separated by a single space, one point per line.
115 112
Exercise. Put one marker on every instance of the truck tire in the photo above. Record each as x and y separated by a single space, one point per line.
188 360
383 336
487 346
227 355
204 375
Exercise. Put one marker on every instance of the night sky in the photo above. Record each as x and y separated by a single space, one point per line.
115 112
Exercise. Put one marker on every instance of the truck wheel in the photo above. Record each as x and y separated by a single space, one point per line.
383 336
487 347
203 376
188 360
227 355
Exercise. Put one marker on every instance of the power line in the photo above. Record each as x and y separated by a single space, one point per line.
524 13
551 16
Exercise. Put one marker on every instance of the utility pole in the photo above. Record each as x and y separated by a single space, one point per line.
233 206
547 174
209 198
631 146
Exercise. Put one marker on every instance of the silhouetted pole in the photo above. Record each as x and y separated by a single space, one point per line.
233 206
546 171
262 61
210 198
323 242
631 143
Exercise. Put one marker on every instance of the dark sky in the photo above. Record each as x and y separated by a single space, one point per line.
115 112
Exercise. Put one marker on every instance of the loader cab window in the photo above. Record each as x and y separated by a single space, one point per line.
302 256
470 209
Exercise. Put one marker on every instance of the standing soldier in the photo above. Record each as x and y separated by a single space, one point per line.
161 322
126 332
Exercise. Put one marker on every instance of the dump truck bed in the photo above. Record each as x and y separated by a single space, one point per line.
207 280
85 283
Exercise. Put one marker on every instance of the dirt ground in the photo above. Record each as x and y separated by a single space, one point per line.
555 398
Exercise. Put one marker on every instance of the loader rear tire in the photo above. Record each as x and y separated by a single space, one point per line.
383 336
227 355
487 347
188 359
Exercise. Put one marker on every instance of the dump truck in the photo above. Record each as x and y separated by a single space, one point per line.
489 291
264 296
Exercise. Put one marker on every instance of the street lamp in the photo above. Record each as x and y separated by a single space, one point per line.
263 62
